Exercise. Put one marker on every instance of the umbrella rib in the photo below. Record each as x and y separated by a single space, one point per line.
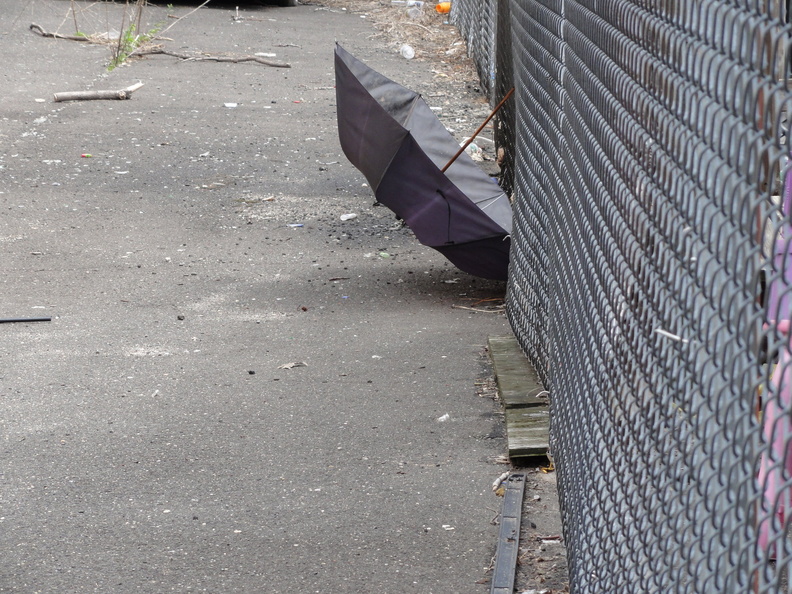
412 107
448 206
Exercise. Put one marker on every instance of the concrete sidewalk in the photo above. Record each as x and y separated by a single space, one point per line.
152 439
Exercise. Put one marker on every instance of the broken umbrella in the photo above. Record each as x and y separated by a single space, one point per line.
392 136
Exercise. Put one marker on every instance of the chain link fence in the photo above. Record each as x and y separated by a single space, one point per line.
651 277
476 22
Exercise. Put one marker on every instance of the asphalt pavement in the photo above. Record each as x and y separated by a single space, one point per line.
237 390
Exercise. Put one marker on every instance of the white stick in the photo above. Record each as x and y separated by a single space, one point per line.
94 95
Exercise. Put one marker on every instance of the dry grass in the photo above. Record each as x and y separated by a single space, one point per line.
429 34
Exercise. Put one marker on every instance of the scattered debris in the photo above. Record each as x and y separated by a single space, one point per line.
667 334
349 216
293 365
499 481
444 418
475 152
143 46
407 52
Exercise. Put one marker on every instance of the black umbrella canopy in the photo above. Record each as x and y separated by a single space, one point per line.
392 136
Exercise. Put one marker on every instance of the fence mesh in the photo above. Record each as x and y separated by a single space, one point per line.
479 23
650 280
476 22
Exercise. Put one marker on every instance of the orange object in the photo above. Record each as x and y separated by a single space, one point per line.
443 7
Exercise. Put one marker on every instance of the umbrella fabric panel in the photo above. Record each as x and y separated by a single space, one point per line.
433 207
368 134
486 258
440 146
394 98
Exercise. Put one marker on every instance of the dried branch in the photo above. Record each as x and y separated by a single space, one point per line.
40 31
94 95
499 310
210 58
427 29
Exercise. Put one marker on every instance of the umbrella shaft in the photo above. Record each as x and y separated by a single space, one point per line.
480 128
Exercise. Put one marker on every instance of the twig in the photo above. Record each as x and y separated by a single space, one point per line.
163 51
427 29
489 299
74 16
494 521
491 565
93 95
478 310
40 31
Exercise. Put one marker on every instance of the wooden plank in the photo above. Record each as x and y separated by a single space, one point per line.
528 432
527 411
517 381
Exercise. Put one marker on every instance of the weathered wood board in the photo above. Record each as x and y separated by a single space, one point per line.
524 400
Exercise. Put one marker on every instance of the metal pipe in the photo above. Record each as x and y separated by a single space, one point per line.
15 320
